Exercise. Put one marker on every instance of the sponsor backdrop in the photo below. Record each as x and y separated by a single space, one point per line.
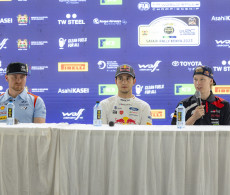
72 48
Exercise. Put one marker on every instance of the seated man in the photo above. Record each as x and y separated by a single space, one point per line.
213 110
29 108
125 108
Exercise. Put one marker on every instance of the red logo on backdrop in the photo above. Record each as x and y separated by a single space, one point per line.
121 112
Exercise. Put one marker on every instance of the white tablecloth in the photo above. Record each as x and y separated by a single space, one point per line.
62 159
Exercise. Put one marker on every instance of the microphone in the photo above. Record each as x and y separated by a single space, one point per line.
198 97
111 123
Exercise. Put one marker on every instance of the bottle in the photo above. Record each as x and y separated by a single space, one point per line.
10 113
97 114
180 116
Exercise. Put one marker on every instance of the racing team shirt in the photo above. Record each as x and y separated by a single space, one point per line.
126 111
27 107
217 111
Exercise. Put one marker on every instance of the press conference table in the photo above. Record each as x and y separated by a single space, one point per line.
63 159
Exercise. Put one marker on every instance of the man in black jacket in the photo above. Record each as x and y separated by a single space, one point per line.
213 110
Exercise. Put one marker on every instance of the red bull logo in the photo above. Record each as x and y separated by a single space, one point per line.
125 121
131 121
125 68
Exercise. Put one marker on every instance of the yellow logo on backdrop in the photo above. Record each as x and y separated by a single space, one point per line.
72 66
221 89
158 114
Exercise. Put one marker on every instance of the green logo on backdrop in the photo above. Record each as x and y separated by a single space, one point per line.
111 2
109 43
107 89
184 89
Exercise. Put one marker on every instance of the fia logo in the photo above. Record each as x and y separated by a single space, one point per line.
143 6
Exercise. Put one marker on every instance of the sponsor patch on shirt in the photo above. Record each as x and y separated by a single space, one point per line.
3 118
125 104
133 109
215 117
24 103
133 114
23 107
3 112
117 108
125 100
125 121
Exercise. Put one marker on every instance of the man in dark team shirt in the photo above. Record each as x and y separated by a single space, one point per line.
213 110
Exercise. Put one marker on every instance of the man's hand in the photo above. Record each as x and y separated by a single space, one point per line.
198 112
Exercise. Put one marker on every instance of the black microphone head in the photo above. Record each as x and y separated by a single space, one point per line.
111 123
197 94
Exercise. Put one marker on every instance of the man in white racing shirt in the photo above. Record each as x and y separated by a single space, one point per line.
124 108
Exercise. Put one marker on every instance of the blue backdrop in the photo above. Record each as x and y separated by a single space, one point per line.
72 48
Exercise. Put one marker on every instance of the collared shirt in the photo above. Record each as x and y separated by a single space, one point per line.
217 111
130 111
27 107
